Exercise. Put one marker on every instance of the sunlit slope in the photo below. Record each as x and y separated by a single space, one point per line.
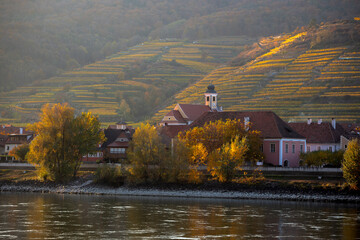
301 76
127 86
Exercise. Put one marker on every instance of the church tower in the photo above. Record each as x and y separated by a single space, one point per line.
211 97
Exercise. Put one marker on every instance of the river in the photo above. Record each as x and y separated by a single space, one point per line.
55 216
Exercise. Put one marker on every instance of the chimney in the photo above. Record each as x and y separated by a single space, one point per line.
320 121
333 123
309 121
21 130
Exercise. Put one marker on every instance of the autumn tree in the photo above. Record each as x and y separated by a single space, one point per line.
176 166
61 140
20 152
146 154
225 161
124 110
214 140
214 134
351 164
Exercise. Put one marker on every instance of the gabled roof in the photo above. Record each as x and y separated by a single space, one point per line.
268 123
319 133
124 134
18 139
192 111
350 127
176 114
112 134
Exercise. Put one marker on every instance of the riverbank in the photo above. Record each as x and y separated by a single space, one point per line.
265 190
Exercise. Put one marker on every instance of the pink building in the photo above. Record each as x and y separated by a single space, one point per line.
320 136
281 144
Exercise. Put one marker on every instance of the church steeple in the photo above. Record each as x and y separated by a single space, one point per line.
211 97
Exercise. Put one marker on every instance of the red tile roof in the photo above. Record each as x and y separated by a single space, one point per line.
176 114
268 123
319 133
194 111
112 134
350 127
172 131
9 129
18 139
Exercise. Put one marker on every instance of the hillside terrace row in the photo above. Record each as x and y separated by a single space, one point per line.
282 142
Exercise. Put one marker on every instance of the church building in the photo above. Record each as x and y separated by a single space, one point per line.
185 114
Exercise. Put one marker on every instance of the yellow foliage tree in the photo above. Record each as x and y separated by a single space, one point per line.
214 138
226 160
176 166
351 164
61 141
146 154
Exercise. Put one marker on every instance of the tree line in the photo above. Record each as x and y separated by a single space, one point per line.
219 149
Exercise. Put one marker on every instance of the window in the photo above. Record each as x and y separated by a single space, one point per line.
286 148
7 148
301 148
272 147
214 99
207 98
345 146
286 163
293 148
121 139
117 150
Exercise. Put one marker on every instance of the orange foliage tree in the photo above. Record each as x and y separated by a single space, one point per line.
222 144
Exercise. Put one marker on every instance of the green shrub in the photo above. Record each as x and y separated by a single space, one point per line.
110 175
351 164
321 158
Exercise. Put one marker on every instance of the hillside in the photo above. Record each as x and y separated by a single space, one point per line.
310 73
129 85
41 39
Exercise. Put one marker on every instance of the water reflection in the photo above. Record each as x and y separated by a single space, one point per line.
47 216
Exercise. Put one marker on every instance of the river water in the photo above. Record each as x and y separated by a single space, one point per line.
52 216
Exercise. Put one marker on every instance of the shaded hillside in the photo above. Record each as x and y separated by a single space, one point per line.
41 39
310 73
129 85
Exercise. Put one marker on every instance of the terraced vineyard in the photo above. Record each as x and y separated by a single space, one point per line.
129 86
291 79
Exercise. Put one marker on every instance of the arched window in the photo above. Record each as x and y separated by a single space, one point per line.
286 163
301 163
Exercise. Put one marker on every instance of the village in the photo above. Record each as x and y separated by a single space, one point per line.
282 142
